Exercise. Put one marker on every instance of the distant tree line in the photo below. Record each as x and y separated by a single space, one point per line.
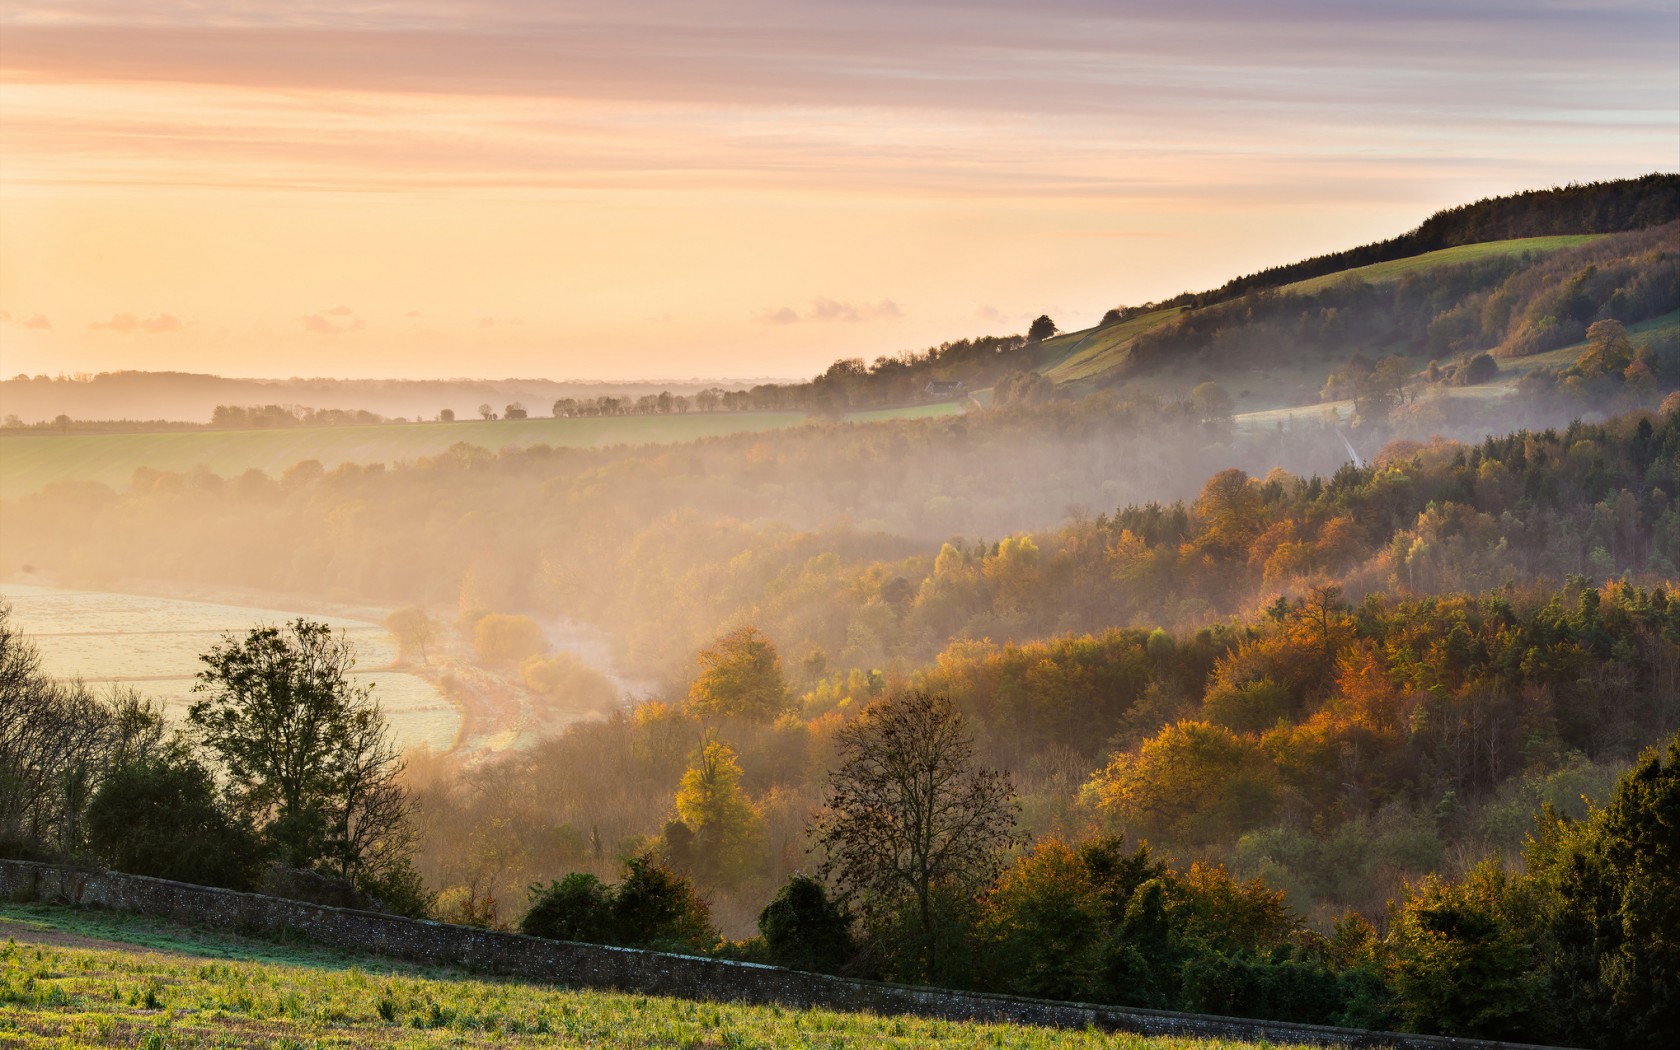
264 417
1594 207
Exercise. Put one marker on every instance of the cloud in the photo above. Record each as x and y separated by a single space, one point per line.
127 324
333 321
38 321
988 313
825 310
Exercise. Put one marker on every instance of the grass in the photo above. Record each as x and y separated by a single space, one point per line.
1384 272
1087 354
89 978
31 461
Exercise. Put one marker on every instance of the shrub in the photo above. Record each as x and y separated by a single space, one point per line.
804 930
162 817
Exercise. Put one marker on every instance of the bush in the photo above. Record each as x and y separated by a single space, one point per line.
653 907
804 930
162 817
1479 369
1273 991
577 908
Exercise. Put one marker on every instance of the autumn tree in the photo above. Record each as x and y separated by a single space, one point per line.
740 677
308 753
414 630
1192 782
713 807
910 815
1608 349
499 638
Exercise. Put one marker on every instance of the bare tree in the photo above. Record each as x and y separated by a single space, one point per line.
909 814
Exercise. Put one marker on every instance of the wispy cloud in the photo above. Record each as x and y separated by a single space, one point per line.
824 309
128 324
333 321
36 321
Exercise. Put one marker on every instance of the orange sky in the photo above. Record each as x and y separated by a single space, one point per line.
744 189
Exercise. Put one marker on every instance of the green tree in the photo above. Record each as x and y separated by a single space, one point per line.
1464 962
1044 924
1041 329
804 930
577 908
161 815
740 677
1612 892
309 756
654 907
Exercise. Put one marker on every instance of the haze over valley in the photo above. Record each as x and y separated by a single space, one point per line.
1166 510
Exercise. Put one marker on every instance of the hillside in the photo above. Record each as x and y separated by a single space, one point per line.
102 979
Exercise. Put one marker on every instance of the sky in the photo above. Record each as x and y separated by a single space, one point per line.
702 188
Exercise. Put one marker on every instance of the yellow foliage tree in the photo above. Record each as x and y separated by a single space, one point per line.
740 677
724 824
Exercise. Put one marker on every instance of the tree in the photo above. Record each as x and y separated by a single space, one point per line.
414 629
514 411
712 805
654 907
1462 963
1612 885
446 416
308 753
1041 329
486 411
499 638
909 815
1212 403
1608 349
160 815
740 677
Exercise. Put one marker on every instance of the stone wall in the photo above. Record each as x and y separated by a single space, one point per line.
633 970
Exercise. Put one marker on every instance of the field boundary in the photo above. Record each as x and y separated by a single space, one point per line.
634 970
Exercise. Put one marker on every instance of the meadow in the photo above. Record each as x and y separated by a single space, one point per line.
151 643
91 978
29 461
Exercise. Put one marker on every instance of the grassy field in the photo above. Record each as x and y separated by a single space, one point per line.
1088 354
1384 272
1079 357
90 978
30 461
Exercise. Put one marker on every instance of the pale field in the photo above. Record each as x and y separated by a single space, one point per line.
153 644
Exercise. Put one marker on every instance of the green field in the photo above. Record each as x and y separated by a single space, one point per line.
32 460
1088 354
1078 357
1384 272
91 978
